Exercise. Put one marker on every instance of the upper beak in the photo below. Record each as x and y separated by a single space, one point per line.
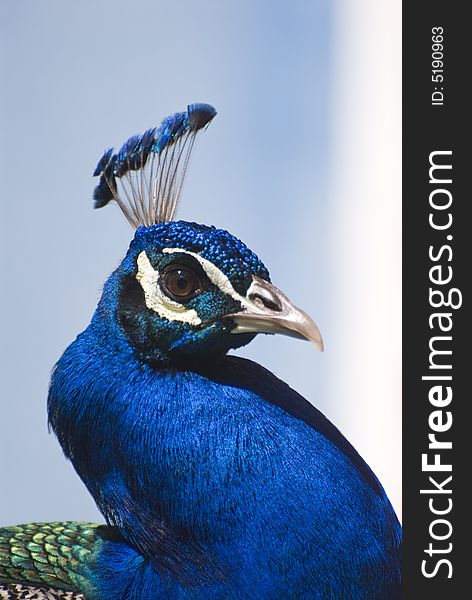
268 310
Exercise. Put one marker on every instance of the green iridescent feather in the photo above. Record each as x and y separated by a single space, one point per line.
47 554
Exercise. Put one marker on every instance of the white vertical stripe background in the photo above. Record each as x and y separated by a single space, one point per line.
365 229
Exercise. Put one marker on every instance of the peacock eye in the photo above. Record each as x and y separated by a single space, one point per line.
180 284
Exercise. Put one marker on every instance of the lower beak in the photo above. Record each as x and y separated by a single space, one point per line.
268 310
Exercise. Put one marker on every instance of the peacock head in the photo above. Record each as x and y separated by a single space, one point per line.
185 290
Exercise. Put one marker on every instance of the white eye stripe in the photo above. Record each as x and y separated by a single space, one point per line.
158 302
214 274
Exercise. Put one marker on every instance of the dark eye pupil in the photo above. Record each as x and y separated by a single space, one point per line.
180 283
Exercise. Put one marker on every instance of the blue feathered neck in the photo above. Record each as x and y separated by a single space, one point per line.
191 464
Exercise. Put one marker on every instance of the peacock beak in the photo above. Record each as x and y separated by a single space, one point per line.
268 310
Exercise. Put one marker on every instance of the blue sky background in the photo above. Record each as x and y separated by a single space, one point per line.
79 77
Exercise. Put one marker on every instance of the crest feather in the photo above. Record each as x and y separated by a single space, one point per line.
146 175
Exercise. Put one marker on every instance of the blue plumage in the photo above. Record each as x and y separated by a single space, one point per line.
196 468
225 479
103 162
220 481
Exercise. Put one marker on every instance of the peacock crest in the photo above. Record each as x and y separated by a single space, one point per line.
145 177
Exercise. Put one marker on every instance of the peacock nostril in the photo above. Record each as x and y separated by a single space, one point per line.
265 300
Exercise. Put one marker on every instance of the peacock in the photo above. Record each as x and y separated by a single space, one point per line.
217 481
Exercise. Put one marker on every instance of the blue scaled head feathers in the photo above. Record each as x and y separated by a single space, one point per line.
183 289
